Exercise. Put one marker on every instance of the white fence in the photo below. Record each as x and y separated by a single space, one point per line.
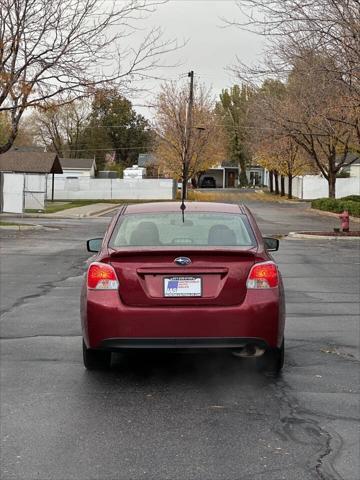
111 189
310 187
317 187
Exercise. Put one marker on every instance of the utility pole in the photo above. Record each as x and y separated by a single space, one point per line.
188 132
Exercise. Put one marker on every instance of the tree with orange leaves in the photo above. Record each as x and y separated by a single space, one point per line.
206 144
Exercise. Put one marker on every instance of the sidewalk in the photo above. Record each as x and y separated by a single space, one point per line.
92 210
86 211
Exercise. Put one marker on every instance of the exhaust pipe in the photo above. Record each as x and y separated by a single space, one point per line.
249 351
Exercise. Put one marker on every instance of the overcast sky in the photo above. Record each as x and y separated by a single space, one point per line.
210 48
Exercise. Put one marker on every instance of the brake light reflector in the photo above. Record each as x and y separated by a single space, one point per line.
102 277
263 275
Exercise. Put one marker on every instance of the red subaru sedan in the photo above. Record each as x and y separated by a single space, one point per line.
202 278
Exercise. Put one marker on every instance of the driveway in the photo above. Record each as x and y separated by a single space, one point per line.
209 416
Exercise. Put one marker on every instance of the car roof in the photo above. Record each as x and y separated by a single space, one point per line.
158 207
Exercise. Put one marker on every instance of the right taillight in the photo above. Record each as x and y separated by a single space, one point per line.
102 276
263 275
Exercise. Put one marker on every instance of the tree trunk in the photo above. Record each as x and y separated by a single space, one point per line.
271 181
290 186
242 162
282 186
243 178
276 182
332 182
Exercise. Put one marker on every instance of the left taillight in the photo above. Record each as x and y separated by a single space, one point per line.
102 276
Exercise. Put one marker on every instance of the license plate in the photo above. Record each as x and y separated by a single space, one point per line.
182 287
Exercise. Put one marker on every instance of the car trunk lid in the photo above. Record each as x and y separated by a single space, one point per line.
143 275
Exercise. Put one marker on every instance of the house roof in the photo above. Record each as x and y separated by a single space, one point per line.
228 163
351 158
29 162
146 160
85 163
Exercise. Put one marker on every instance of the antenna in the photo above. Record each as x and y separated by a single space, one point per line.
182 208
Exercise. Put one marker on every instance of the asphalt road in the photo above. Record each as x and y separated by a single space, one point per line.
178 416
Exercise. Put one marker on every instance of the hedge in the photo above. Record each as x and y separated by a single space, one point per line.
351 204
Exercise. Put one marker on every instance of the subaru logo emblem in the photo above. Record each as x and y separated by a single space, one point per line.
182 261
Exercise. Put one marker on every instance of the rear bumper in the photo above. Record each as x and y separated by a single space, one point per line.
181 343
108 323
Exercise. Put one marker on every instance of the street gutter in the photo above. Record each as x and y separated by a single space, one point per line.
319 237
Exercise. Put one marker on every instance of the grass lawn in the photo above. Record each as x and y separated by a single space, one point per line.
233 197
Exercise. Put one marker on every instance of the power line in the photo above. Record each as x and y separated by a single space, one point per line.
74 150
249 127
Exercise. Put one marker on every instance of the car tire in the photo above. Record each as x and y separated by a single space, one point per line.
272 361
96 359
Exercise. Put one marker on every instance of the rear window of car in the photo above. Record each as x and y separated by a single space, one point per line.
169 229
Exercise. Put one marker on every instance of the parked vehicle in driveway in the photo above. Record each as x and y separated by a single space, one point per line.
205 280
208 182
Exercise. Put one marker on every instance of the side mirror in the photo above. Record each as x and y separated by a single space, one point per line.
94 245
271 244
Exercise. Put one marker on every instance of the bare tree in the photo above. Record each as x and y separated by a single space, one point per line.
328 28
63 49
59 127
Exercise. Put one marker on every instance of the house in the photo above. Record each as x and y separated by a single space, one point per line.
78 167
255 175
23 182
225 175
353 170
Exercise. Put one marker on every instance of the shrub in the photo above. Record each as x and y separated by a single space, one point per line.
354 198
338 205
343 174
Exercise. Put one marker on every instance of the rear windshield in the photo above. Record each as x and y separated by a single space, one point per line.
168 229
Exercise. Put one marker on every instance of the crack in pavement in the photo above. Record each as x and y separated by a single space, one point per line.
302 418
44 289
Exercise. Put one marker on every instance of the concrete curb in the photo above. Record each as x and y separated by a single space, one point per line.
319 237
26 227
33 215
20 227
334 215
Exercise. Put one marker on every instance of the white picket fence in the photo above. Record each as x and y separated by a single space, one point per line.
85 188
